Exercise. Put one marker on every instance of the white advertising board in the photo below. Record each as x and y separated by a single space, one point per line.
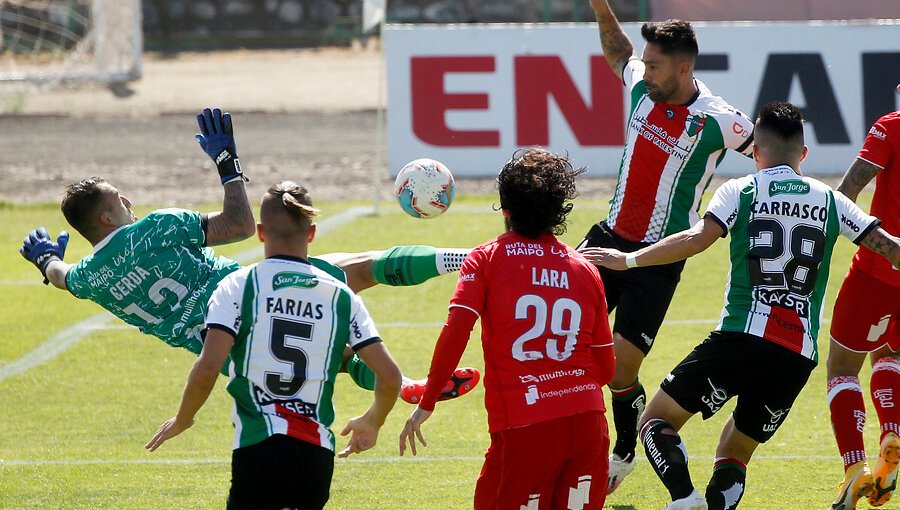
469 95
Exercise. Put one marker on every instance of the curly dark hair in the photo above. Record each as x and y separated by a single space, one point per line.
535 189
674 37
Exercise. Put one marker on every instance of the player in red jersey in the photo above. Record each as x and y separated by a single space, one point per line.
867 322
547 349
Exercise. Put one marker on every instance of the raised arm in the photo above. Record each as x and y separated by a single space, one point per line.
616 46
676 247
884 244
857 177
235 222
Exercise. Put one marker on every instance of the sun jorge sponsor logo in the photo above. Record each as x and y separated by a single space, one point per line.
788 187
292 279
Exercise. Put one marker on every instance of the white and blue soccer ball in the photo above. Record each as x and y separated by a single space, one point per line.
424 188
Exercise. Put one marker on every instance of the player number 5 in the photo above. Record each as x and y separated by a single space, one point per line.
565 320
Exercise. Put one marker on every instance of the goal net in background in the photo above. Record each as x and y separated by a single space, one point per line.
44 43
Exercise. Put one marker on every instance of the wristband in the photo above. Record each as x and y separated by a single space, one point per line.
230 170
631 261
43 261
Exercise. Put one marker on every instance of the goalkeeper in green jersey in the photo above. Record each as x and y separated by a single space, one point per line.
158 272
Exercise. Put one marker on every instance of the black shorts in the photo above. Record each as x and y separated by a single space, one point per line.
642 294
765 377
280 472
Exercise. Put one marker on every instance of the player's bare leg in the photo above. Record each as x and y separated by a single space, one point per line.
665 451
357 266
628 400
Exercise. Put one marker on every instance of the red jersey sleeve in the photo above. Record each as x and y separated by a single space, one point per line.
447 352
471 288
877 148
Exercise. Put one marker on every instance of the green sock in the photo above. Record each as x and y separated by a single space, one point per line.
361 374
412 265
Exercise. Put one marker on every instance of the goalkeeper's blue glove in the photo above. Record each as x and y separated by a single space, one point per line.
40 250
216 138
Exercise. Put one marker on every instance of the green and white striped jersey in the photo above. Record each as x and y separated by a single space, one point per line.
154 274
783 228
671 152
291 322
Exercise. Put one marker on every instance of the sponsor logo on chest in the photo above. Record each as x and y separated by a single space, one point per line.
292 279
789 187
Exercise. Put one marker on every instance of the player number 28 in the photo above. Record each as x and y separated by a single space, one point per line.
565 319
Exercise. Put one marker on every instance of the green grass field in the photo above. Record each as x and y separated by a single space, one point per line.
73 426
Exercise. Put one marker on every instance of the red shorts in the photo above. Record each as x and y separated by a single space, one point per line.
556 464
866 314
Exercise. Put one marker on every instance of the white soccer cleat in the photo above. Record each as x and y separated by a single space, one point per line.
695 501
618 470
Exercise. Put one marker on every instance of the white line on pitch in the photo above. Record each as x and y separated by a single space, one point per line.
382 325
65 339
361 460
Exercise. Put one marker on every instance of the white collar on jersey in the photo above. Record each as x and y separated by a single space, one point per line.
99 246
778 170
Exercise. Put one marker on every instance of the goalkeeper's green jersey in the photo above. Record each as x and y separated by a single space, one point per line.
155 274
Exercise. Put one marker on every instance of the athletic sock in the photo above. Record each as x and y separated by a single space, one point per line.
848 416
412 265
885 379
727 485
668 456
627 407
360 373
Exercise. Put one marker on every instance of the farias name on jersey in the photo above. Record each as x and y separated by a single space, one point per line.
296 307
549 278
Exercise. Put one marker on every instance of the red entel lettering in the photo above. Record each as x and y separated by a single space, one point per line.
430 101
537 78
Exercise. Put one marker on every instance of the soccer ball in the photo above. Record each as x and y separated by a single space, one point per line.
424 188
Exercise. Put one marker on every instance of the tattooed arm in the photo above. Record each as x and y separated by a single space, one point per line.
235 222
858 175
884 244
616 46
